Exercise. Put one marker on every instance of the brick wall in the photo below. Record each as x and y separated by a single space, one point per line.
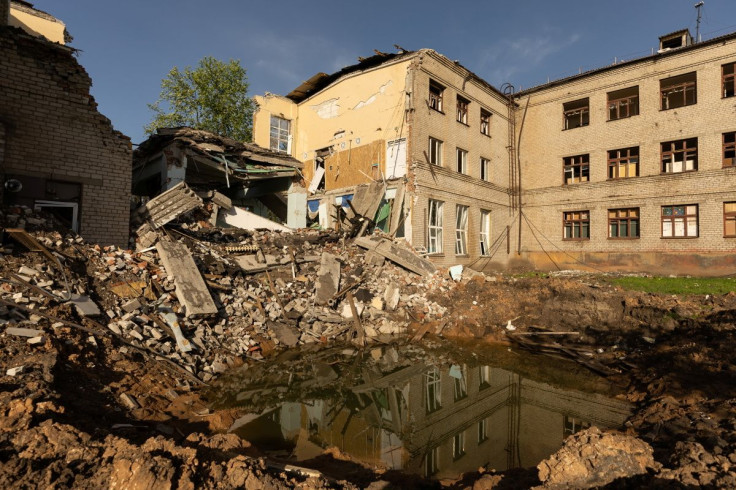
54 131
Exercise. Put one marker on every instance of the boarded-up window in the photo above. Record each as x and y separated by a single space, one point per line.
680 221
576 169
680 156
729 219
623 163
729 149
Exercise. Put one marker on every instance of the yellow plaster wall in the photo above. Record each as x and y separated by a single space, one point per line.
53 30
269 105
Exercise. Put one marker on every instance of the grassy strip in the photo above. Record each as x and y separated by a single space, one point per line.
676 285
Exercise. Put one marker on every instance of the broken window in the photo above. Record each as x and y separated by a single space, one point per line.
680 221
435 151
623 103
462 110
458 445
434 226
729 219
623 223
462 160
461 230
460 382
432 390
485 122
431 461
485 169
576 113
680 156
623 163
485 232
728 72
571 425
435 95
485 377
280 135
729 149
678 91
576 225
483 430
576 169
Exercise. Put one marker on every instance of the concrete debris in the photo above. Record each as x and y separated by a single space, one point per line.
23 332
15 371
400 255
129 401
190 287
84 305
328 278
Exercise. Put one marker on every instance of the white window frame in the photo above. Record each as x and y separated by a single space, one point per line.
461 230
461 384
432 390
280 136
431 461
485 169
680 225
485 232
482 430
461 157
458 445
434 227
38 205
435 151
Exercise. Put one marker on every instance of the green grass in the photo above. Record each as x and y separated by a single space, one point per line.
676 285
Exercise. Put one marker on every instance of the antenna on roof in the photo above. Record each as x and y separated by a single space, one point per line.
698 6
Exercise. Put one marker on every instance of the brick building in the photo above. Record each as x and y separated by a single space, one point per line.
57 152
628 167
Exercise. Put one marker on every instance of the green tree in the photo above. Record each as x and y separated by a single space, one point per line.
213 97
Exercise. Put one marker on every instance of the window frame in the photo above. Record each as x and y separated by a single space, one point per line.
434 231
569 110
728 79
729 146
436 96
580 162
628 218
461 229
432 390
482 430
674 87
485 169
276 134
458 445
431 461
729 216
461 161
670 149
484 233
672 219
485 122
462 108
629 102
435 155
569 218
618 159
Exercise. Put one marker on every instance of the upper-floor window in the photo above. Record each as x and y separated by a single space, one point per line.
623 163
435 95
680 221
576 225
576 169
435 151
729 149
728 72
462 110
462 160
432 390
576 113
485 122
485 169
280 135
460 381
623 103
680 156
678 91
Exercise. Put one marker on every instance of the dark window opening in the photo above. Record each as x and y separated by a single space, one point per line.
729 149
576 169
678 91
729 81
462 110
680 156
623 103
435 95
485 122
576 113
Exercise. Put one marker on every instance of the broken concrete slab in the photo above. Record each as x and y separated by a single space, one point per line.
397 254
392 296
190 286
84 305
285 334
129 401
15 371
23 332
222 200
245 220
39 340
328 278
169 205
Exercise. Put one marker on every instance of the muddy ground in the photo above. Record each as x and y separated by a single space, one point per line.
63 422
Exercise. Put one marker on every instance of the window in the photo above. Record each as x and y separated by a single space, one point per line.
462 110
576 225
623 163
461 230
459 375
729 149
432 390
623 223
728 70
435 95
483 430
458 445
729 219
576 169
571 425
435 227
485 232
431 462
680 221
435 151
485 169
678 91
462 160
623 103
485 122
680 156
576 113
484 376
280 135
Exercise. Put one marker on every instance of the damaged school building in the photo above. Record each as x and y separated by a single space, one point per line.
57 152
626 167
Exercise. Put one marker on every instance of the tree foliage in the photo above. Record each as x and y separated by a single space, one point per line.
213 97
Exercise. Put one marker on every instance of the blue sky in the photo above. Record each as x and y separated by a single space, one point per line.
129 46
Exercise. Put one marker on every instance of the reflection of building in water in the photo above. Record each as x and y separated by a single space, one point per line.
441 422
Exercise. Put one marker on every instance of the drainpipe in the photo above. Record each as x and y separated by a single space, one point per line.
518 174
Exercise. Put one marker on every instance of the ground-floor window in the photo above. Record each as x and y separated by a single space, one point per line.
458 445
434 227
576 225
571 425
680 221
461 230
485 232
623 223
431 461
729 219
482 430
